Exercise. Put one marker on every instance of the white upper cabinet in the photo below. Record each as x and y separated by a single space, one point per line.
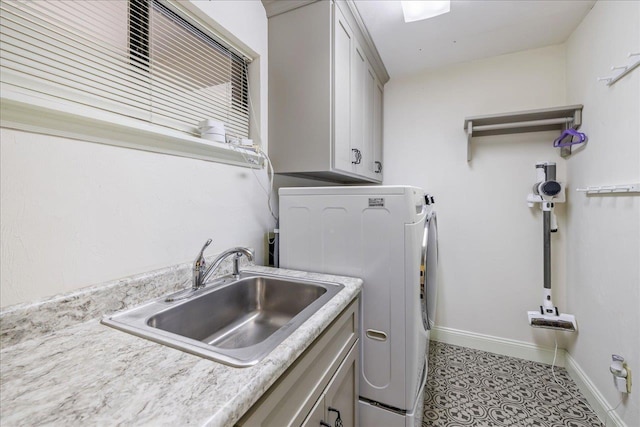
377 129
342 119
325 94
359 67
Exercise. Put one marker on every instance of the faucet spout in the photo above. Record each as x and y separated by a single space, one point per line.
237 253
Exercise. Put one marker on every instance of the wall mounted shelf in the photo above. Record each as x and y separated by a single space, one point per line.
558 118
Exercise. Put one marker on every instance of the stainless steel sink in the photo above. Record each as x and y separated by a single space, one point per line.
236 322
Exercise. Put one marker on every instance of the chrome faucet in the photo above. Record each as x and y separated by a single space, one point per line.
198 267
200 275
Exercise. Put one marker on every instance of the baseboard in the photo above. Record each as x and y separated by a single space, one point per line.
527 351
597 401
504 346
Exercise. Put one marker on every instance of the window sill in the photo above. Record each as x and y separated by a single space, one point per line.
24 111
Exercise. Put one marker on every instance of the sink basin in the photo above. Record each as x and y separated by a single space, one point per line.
233 321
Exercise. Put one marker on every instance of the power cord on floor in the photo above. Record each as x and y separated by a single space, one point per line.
553 365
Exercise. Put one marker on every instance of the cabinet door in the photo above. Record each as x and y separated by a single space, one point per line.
294 395
358 84
377 130
340 399
316 416
341 395
369 122
342 46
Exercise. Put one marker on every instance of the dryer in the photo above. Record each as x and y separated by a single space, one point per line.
387 236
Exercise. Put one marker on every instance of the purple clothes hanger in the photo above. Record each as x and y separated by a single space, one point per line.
570 133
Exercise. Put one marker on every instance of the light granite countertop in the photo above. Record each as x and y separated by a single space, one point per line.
60 366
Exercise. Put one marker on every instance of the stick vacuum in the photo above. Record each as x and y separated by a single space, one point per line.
548 191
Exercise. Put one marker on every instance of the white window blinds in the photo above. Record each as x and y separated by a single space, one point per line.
136 58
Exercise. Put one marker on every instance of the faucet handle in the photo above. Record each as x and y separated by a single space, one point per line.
200 259
199 266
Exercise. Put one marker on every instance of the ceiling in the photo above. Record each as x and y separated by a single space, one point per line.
472 30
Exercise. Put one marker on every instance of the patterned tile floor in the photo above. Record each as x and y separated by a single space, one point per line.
467 387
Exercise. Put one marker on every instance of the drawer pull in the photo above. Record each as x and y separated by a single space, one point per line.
376 335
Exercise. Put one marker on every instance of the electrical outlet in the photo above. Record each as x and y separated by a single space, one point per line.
621 374
269 249
625 366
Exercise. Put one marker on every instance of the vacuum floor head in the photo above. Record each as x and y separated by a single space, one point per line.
561 322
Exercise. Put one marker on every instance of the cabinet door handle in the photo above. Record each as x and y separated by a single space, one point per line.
338 422
378 166
323 424
358 156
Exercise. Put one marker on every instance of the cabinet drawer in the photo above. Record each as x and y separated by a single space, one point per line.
292 397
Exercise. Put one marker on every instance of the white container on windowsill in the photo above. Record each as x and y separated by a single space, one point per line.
213 137
212 130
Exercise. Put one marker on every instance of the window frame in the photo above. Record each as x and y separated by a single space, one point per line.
24 110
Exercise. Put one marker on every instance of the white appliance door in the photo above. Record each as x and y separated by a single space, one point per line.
429 271
417 334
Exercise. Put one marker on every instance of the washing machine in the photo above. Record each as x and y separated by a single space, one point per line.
387 236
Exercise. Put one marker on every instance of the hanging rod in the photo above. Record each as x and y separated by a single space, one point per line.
607 189
515 125
557 118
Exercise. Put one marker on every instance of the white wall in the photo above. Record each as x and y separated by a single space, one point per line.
490 241
603 247
76 213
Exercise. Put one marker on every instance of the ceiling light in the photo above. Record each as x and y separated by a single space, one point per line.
416 10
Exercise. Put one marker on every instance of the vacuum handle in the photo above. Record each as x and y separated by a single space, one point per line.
546 235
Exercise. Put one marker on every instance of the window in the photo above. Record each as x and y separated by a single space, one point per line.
139 59
192 76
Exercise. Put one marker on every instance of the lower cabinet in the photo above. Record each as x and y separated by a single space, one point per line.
321 387
338 405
